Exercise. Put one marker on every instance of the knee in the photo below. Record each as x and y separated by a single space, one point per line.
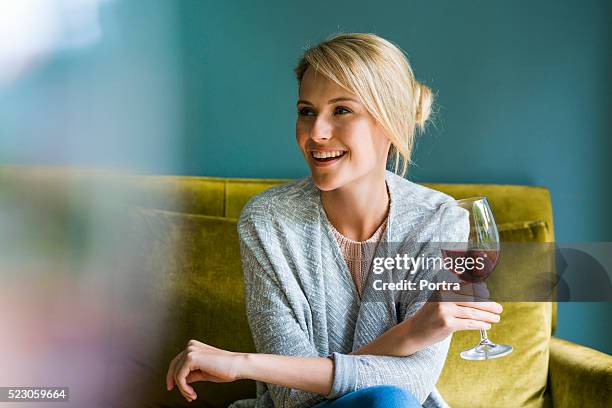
387 396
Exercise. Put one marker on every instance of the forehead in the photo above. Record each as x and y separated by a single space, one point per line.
314 84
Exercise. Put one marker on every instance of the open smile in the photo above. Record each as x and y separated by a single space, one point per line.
327 158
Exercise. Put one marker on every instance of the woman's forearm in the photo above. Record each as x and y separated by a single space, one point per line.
315 374
434 322
312 374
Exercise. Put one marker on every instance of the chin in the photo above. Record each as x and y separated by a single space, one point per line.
326 182
333 180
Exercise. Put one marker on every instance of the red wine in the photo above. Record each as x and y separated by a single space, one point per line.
472 265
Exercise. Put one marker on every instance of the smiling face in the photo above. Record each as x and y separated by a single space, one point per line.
340 140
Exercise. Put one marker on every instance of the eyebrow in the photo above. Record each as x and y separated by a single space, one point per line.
330 101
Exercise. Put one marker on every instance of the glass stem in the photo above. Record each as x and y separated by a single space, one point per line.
483 336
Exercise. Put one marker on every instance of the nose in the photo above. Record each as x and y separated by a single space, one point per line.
321 129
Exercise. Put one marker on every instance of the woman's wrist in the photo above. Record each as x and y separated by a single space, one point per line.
413 340
241 366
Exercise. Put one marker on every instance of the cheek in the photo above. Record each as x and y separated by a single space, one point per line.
359 139
301 134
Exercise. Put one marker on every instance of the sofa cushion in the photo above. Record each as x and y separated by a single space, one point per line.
518 379
179 278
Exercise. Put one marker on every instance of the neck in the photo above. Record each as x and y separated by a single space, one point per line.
358 208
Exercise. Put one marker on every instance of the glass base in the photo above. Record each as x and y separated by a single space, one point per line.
486 350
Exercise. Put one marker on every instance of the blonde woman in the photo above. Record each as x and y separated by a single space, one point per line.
318 343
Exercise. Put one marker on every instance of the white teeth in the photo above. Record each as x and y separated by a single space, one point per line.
324 155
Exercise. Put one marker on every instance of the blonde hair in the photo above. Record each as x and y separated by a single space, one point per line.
378 72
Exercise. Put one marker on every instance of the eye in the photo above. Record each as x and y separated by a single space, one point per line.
305 112
341 111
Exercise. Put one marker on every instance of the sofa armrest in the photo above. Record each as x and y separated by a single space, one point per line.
579 376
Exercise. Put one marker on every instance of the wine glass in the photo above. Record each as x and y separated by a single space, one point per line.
467 231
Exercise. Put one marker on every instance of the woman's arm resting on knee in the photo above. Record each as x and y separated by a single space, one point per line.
201 362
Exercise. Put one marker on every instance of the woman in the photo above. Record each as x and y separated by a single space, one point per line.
319 342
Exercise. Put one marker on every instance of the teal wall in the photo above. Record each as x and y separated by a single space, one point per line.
523 98
206 88
116 103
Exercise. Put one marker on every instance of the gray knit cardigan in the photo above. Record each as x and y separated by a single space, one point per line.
301 300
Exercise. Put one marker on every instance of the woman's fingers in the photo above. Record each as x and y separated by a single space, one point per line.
181 380
469 315
476 315
200 362
464 312
170 373
179 370
469 324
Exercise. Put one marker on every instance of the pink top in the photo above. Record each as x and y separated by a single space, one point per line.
358 254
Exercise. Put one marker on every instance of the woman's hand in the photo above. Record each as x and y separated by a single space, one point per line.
437 320
201 362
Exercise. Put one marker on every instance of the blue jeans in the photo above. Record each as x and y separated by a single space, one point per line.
378 396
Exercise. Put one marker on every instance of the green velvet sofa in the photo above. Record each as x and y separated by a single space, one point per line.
174 266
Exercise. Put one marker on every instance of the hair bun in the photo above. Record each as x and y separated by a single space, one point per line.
424 98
